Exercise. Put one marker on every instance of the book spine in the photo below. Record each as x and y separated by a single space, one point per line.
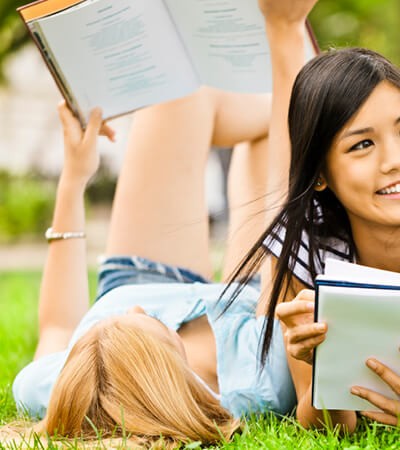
313 399
312 37
55 70
188 54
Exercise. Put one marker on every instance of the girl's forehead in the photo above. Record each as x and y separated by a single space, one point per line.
382 106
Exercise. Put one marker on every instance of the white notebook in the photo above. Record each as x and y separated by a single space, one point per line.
361 306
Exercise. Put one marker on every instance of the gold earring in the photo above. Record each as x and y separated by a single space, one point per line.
320 185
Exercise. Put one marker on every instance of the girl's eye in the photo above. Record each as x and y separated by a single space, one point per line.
362 145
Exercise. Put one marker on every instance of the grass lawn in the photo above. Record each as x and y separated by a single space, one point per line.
18 323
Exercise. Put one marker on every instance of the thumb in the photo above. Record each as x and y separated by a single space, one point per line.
62 112
70 124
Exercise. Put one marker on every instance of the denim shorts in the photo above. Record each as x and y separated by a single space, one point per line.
118 271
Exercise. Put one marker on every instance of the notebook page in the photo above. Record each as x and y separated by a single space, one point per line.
345 271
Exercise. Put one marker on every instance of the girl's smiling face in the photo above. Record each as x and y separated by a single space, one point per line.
363 165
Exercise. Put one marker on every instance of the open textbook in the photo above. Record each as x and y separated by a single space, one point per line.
125 54
361 307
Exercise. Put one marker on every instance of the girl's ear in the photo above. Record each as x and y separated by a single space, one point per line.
321 184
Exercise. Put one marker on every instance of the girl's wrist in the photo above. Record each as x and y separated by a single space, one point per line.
69 211
284 28
72 182
287 44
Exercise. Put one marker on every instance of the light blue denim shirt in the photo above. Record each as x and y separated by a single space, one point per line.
244 387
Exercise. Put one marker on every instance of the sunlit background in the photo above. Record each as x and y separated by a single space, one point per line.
30 142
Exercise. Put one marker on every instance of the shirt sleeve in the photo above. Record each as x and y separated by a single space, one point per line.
33 385
328 248
245 386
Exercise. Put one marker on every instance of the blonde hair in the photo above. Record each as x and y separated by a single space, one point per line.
119 381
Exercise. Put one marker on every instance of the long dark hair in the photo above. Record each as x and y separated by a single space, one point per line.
327 92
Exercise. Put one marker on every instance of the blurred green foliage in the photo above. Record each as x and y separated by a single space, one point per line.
26 205
367 23
374 24
13 34
27 201
101 188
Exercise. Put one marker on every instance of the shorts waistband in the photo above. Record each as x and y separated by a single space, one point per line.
141 264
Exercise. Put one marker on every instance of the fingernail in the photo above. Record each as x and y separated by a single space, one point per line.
320 327
355 391
310 306
372 364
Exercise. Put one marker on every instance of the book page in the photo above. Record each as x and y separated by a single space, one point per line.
227 42
362 323
344 271
119 55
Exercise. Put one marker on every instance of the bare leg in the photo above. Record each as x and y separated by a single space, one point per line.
159 208
247 190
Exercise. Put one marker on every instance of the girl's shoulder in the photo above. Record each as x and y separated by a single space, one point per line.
33 384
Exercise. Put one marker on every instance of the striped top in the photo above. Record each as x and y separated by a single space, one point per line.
329 248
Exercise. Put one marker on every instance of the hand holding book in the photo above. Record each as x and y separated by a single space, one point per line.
81 158
390 408
302 333
356 321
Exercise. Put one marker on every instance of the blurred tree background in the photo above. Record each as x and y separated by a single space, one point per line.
13 34
368 23
374 24
26 200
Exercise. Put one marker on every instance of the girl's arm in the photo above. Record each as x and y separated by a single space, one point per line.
285 27
64 294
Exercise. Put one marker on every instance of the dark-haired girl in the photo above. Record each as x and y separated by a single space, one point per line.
343 202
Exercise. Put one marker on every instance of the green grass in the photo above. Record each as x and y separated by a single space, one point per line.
18 324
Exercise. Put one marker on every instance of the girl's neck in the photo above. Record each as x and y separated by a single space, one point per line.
379 248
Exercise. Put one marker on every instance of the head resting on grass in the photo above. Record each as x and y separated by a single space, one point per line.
120 381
